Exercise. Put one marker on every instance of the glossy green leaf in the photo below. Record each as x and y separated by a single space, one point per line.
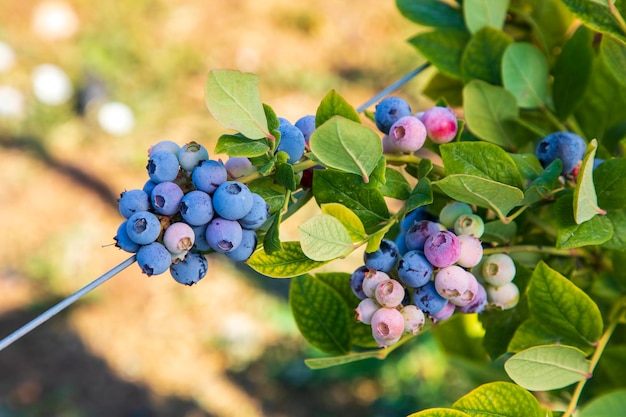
543 186
610 183
396 186
480 159
525 74
545 368
443 48
285 176
597 15
487 109
350 221
499 399
271 240
572 235
442 86
233 99
287 263
239 145
618 221
335 105
437 13
324 238
272 193
421 195
484 13
607 405
320 314
572 72
439 412
273 125
346 145
614 52
499 197
482 57
528 165
330 186
585 198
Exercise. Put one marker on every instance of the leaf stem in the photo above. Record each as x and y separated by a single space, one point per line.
413 159
534 248
515 215
553 119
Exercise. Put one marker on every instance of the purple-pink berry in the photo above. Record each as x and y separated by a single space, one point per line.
407 134
389 293
471 251
387 326
366 309
441 124
442 249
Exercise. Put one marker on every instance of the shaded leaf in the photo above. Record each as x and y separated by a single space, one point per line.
443 48
610 183
484 13
435 13
525 74
287 263
597 15
572 235
482 57
607 405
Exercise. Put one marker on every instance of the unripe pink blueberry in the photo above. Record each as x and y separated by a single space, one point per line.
469 224
471 251
504 297
239 166
478 304
444 314
498 269
451 281
442 249
389 293
468 296
387 326
366 309
407 134
178 239
388 146
371 281
413 319
441 124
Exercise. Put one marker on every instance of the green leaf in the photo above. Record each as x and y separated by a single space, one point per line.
585 198
324 238
499 197
439 412
618 221
368 203
525 74
528 165
607 405
323 363
437 13
614 52
287 263
396 186
482 58
320 314
572 72
443 48
239 145
233 99
572 235
560 309
597 15
544 184
335 105
610 183
480 159
286 176
272 193
484 13
350 221
348 146
546 368
499 399
487 109
273 124
498 232
421 195
271 240
442 86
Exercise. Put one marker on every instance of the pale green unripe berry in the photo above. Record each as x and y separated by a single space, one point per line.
469 224
452 211
504 297
498 269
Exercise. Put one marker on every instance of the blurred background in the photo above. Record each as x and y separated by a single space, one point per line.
85 88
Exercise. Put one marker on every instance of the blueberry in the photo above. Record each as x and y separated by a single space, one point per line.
427 299
191 154
504 297
471 251
356 281
413 319
415 216
469 224
291 141
441 124
153 259
566 146
442 249
200 242
451 281
384 258
189 270
179 238
306 124
478 304
196 208
366 309
389 293
232 200
239 166
143 227
407 134
246 248
209 175
162 166
414 269
132 201
257 215
387 326
224 235
164 145
417 234
450 212
166 198
123 241
149 186
388 111
596 162
498 269
371 281
444 314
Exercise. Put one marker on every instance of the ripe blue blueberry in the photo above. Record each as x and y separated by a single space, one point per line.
356 281
191 154
224 235
469 224
164 145
387 326
196 208
389 293
291 141
257 215
162 166
153 259
417 234
200 242
384 258
388 111
452 211
407 134
209 175
148 187
306 124
498 269
123 241
132 201
366 309
232 200
179 238
415 216
442 249
427 299
414 270
566 146
189 270
166 198
444 314
246 248
143 227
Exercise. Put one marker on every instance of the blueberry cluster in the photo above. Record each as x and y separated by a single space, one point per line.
405 132
189 207
434 268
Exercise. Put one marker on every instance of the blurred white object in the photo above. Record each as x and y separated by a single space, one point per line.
7 57
54 20
116 118
11 102
51 84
